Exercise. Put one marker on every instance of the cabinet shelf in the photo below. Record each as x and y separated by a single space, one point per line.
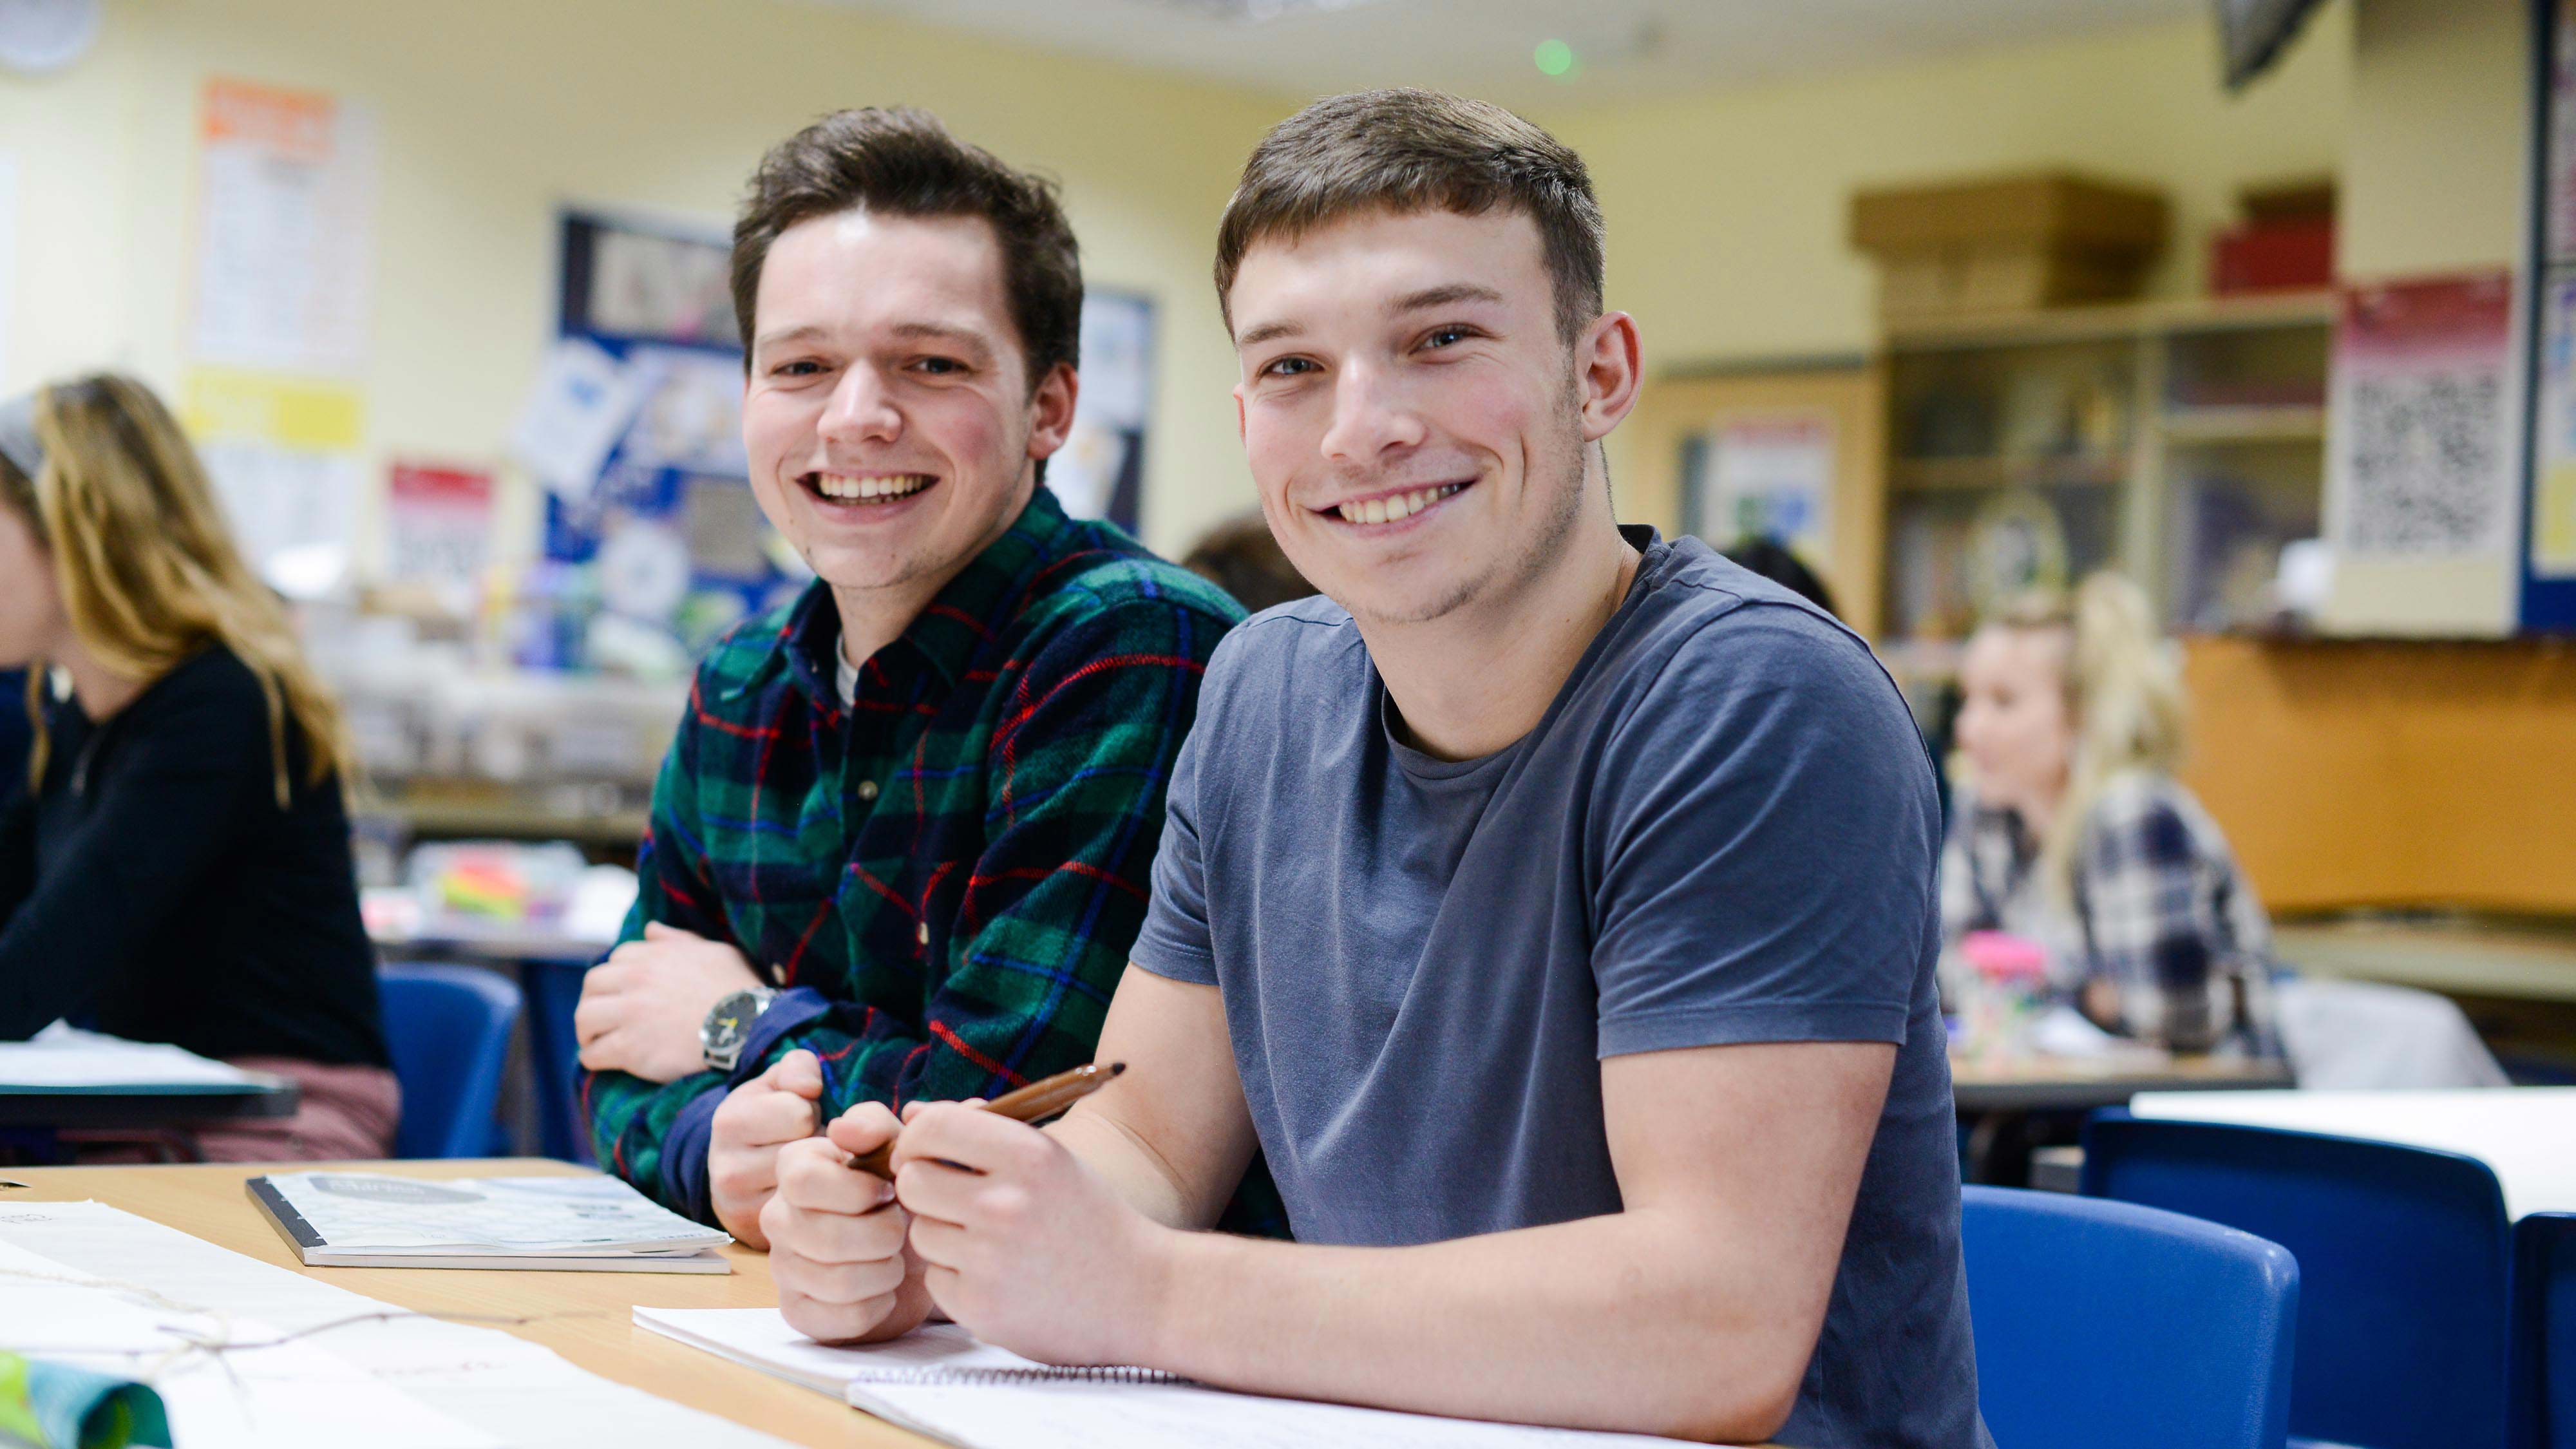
2266 423
1928 475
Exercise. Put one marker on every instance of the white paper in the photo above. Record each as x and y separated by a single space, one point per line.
64 1056
581 404
761 1339
1171 1416
2062 1031
518 1392
902 1381
557 1215
2527 1134
285 1394
294 511
286 241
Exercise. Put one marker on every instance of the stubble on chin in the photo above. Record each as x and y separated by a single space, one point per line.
1515 569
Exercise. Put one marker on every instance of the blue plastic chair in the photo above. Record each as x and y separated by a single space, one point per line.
448 1028
2103 1325
2543 1409
2402 1264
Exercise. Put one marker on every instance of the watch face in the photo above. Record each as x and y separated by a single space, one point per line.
731 1019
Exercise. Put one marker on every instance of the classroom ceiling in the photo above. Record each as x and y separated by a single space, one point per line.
1617 49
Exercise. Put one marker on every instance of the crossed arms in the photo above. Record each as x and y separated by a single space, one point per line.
1693 1311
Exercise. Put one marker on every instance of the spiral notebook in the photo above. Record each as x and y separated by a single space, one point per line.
935 1353
942 1381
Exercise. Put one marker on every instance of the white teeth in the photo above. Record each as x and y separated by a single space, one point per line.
1396 508
833 485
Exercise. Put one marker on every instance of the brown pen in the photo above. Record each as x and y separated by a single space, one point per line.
1035 1102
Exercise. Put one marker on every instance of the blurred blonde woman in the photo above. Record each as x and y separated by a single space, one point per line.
178 868
2070 830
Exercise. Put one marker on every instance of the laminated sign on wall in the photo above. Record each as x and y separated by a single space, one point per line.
2425 461
285 245
287 181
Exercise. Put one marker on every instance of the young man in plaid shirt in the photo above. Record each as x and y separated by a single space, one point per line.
899 850
1550 901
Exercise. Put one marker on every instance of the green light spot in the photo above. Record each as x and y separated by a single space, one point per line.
1553 57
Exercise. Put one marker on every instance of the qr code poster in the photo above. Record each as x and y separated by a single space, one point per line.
2426 413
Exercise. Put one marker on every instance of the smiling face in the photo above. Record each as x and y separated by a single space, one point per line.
888 415
2014 724
1415 423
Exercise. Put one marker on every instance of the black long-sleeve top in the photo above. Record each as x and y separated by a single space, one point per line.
152 884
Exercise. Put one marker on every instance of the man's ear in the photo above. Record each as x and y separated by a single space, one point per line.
1051 410
1609 369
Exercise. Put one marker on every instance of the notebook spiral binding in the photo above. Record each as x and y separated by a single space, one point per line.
997 1377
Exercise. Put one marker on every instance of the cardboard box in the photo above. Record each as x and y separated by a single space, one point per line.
2007 245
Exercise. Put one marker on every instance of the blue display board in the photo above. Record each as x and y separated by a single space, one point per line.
666 535
2549 457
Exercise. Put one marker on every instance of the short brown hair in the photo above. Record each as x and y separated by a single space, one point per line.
1416 150
902 162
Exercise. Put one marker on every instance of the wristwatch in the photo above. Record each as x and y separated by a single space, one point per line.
728 1025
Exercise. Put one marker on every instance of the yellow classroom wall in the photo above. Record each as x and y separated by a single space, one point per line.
2434 181
494 113
1728 211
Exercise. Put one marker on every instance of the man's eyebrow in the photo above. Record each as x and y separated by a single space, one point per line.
805 332
943 332
1267 332
1448 295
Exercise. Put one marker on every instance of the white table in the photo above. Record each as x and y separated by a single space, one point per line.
2526 1134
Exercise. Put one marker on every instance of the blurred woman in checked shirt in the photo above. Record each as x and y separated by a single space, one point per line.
2070 829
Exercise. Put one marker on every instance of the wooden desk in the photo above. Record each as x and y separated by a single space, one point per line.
210 1202
2464 958
2001 1095
2076 1084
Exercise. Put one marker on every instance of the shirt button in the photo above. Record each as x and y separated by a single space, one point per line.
867 789
921 933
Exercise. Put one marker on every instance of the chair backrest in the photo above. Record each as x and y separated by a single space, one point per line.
2113 1326
448 1028
2543 1409
2402 1266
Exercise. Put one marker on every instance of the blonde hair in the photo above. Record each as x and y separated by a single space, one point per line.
148 571
2123 690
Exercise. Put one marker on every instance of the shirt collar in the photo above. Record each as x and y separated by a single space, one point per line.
946 633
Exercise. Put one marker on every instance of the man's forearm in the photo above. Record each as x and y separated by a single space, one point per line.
1133 1168
1629 1322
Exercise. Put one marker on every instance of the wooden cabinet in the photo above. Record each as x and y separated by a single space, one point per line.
2183 444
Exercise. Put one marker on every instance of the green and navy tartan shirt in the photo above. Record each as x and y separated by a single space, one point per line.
944 880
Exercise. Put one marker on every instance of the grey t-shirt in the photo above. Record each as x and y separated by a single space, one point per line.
1724 830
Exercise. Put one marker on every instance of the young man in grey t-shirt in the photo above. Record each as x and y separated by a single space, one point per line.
1553 906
